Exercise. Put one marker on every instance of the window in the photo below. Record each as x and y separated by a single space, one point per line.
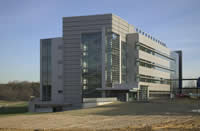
46 70
91 63
85 53
152 51
84 81
85 70
112 58
85 87
84 48
84 64
46 92
152 79
148 64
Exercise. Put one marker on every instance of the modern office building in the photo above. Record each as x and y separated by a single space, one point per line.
104 56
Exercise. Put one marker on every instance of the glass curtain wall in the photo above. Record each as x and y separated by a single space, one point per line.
174 65
112 59
46 70
91 63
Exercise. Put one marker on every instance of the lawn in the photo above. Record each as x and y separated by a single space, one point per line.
13 107
117 116
156 107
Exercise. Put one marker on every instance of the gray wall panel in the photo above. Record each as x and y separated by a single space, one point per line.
90 17
71 45
132 55
87 23
69 41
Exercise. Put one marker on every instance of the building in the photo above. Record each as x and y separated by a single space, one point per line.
104 56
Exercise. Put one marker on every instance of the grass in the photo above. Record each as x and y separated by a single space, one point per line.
121 116
178 107
13 107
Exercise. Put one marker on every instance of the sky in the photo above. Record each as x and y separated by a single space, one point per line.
24 22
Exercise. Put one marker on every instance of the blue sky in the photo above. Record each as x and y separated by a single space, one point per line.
24 22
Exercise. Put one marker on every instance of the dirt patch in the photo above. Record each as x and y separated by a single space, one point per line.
117 117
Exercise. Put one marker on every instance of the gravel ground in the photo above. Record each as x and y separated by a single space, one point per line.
53 121
115 116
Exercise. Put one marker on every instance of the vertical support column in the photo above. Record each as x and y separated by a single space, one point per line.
138 95
127 97
171 88
120 60
103 94
147 93
103 58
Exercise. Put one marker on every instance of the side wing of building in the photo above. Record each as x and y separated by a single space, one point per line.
51 83
153 63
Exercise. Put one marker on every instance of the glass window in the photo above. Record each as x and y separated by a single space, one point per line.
84 81
152 79
84 64
112 58
149 64
85 70
91 69
85 54
84 47
154 52
46 69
